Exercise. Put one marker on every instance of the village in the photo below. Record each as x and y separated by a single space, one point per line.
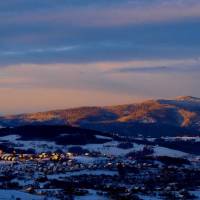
83 171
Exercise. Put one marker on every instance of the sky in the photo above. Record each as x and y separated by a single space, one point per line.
69 53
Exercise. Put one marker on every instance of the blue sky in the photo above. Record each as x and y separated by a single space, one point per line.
68 53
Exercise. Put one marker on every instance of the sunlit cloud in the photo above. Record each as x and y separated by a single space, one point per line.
104 76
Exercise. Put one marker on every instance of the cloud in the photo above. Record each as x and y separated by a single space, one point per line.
106 76
44 50
144 69
151 66
162 66
126 48
43 32
159 69
35 87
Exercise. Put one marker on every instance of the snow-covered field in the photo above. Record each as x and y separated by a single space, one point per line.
10 138
143 197
37 145
196 193
162 151
88 167
110 148
14 194
87 159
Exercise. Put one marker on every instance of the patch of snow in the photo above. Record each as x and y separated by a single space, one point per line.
38 146
151 139
91 196
110 148
88 160
196 193
162 151
103 137
64 134
13 194
82 172
10 138
183 138
144 197
23 182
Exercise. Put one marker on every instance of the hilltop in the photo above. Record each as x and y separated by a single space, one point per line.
176 116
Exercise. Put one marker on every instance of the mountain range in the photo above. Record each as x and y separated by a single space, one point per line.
155 118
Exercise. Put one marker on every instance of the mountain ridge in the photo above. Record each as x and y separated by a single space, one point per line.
176 113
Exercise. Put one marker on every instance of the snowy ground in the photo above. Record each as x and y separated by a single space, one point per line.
38 146
87 172
143 197
10 138
103 137
196 193
183 138
14 194
87 159
91 196
162 151
110 148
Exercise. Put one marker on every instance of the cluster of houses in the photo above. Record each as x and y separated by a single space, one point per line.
60 175
42 156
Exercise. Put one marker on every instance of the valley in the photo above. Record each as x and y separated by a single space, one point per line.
76 163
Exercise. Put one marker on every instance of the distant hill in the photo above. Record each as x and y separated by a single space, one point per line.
59 135
177 116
